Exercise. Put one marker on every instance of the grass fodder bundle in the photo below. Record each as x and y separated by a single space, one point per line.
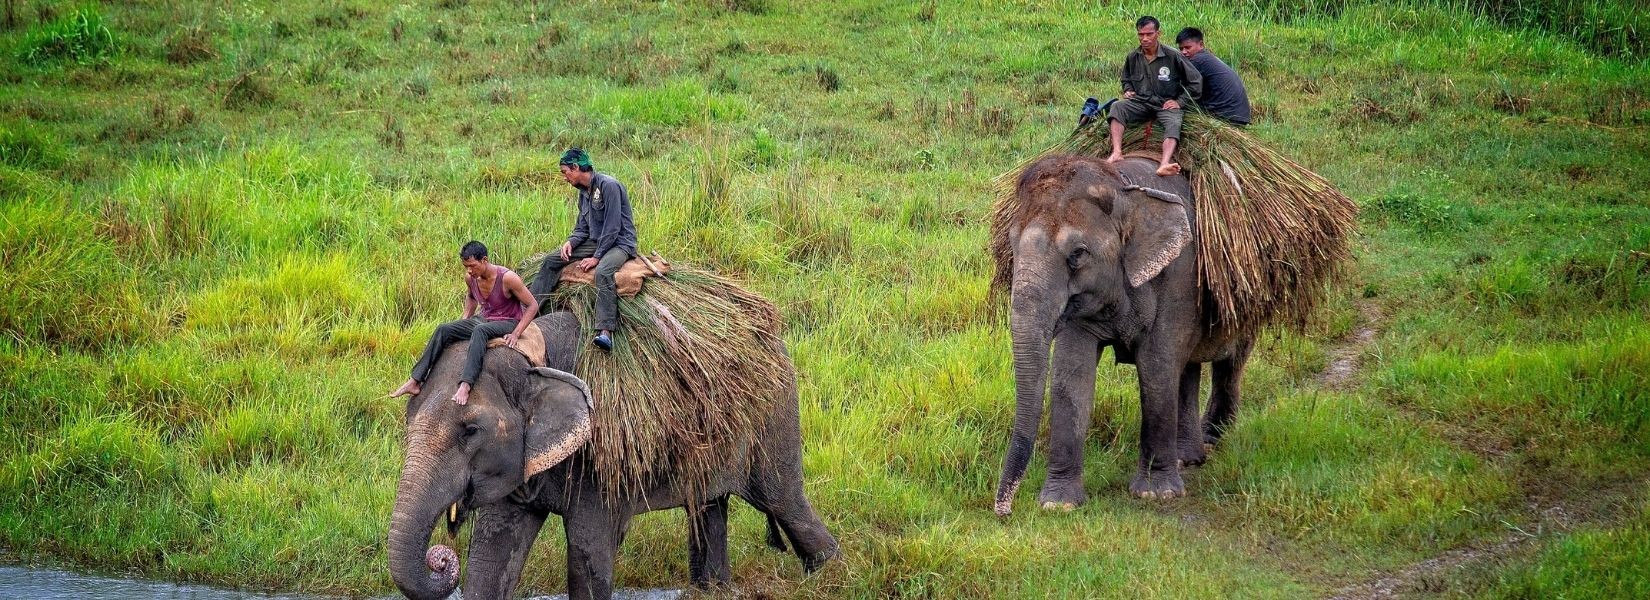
695 369
1271 234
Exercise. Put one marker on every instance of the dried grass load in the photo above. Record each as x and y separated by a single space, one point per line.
1272 235
695 369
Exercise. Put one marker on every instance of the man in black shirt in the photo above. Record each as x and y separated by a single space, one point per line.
1223 93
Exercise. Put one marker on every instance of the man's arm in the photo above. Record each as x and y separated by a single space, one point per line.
1123 75
581 232
612 214
1191 89
469 300
513 285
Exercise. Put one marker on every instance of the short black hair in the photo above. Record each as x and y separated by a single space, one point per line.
1147 20
472 249
1189 33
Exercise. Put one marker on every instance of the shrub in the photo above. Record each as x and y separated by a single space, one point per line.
80 37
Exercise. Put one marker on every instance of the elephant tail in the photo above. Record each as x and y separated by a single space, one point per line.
776 540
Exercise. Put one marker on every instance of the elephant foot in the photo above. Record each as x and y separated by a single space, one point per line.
1193 454
1064 495
813 562
1157 485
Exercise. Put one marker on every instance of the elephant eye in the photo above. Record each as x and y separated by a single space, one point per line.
470 429
1076 259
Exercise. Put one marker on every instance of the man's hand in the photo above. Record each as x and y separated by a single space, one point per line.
1171 105
1129 95
510 339
567 251
587 264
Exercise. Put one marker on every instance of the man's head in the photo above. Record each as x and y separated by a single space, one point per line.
474 255
575 167
1190 41
1147 29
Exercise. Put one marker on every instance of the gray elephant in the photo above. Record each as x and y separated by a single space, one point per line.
1104 255
516 453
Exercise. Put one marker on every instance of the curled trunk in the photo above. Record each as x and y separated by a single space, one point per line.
420 571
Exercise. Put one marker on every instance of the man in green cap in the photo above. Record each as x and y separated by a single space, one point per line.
603 238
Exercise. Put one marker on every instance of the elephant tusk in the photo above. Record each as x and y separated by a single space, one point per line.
452 513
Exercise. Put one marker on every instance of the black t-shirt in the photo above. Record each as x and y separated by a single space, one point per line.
1223 93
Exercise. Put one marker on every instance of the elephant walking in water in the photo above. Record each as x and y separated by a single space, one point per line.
516 453
1104 255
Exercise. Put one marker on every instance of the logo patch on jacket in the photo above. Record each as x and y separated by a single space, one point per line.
1162 73
596 197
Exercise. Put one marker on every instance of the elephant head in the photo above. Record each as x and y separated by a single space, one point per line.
519 421
1083 242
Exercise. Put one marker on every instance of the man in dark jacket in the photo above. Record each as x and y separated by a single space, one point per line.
603 238
1223 93
1158 83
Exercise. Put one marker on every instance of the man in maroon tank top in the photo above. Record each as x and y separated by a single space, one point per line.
497 305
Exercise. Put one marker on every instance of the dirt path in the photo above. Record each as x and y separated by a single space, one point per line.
1545 516
1348 357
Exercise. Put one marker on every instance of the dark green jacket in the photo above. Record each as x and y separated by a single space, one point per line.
604 216
1164 77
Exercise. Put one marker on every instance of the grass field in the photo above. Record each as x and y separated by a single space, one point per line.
225 228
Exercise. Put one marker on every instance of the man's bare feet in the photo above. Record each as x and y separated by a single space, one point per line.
1168 169
1115 158
410 388
462 396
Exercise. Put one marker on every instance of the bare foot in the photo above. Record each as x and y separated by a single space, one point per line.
462 396
1115 158
410 388
1168 169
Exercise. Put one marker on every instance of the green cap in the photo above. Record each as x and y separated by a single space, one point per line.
576 156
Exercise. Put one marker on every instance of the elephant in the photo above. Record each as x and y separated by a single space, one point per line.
1105 255
517 452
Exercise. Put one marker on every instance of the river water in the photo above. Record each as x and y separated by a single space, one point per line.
23 583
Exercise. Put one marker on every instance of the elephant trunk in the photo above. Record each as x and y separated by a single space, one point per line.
420 571
1036 307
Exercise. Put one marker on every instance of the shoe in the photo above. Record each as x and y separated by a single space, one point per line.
603 342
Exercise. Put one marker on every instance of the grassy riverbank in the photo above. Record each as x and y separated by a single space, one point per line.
225 229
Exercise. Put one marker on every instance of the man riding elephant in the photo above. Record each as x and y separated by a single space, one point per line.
497 305
1158 83
603 238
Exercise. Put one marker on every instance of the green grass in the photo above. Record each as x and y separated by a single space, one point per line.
227 231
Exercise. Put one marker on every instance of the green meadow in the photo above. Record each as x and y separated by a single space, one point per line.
226 230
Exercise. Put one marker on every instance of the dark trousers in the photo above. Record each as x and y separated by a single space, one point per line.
607 294
479 332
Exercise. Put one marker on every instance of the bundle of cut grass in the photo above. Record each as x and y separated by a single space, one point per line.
1272 234
695 369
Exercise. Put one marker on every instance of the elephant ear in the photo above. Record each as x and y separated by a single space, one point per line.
1155 232
560 422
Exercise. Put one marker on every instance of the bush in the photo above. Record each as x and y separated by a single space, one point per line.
1424 213
80 37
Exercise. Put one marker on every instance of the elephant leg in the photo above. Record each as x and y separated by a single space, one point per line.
502 536
708 544
775 488
592 543
1158 473
775 538
1225 382
1071 404
1189 438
